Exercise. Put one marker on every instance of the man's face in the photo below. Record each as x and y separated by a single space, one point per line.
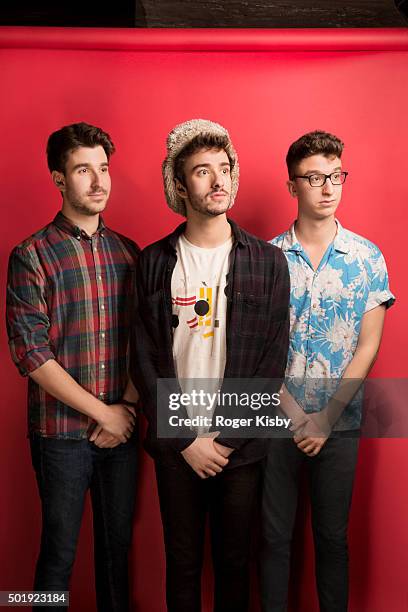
207 182
316 202
86 181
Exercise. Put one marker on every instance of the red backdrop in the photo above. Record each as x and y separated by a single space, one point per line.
267 88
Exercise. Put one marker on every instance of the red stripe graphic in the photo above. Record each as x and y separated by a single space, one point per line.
188 301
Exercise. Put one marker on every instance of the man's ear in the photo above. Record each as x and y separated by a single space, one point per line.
59 180
292 188
180 189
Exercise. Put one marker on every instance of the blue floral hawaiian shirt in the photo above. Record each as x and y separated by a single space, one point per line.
326 310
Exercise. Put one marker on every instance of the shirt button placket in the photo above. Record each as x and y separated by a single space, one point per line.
102 320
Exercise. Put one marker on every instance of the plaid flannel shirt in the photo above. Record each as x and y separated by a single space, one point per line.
257 334
70 297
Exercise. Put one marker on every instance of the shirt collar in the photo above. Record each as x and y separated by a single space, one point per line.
239 235
290 242
340 243
66 225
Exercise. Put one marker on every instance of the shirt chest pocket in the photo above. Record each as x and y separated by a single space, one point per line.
253 311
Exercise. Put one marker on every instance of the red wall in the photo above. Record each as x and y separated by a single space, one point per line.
267 94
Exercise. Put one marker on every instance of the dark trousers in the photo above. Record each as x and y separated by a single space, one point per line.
65 470
229 498
331 475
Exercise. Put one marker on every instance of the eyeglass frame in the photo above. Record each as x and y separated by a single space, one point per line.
326 176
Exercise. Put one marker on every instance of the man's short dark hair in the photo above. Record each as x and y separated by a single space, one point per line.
198 143
70 137
313 143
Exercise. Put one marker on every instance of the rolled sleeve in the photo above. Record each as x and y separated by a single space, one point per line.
380 293
27 312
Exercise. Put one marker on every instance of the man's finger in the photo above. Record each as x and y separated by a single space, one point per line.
304 442
131 409
96 433
213 467
210 472
219 459
309 449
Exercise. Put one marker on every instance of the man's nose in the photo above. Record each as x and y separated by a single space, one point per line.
218 179
96 179
328 186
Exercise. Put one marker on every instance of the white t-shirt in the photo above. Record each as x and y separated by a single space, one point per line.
200 304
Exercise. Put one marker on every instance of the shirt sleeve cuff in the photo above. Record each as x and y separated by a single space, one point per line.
33 360
381 297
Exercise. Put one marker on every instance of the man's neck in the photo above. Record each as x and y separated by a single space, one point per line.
87 223
315 232
207 232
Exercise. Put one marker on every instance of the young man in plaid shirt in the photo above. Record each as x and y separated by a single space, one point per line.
70 293
213 305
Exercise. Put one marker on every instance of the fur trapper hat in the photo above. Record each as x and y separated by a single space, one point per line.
177 140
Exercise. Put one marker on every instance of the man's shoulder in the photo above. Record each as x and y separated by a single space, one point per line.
364 245
163 245
261 245
277 241
129 243
33 242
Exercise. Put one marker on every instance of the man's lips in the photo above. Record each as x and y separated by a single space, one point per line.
97 194
218 194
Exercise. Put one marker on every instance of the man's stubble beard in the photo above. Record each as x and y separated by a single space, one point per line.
84 209
200 206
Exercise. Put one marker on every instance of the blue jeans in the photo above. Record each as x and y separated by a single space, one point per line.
65 470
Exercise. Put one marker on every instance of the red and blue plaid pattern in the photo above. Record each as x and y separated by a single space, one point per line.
70 297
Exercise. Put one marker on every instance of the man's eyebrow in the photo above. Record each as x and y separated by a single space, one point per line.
320 172
86 165
209 165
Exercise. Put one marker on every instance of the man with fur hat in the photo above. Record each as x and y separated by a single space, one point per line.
213 305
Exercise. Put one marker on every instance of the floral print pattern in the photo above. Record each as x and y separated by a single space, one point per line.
326 309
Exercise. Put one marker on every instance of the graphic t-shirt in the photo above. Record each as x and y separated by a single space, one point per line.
199 312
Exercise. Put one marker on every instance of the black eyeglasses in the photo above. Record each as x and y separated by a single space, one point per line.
318 180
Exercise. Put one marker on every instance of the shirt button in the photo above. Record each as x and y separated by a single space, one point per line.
314 305
103 366
99 277
102 335
102 306
95 248
101 394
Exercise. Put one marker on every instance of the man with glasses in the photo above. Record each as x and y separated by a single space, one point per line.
339 294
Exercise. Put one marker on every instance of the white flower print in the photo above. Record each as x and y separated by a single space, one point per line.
297 365
357 251
321 367
340 334
378 267
299 279
330 283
